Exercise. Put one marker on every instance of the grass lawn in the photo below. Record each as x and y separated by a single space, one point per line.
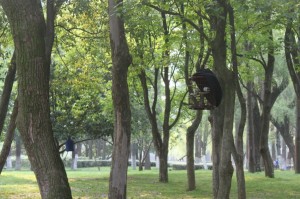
93 184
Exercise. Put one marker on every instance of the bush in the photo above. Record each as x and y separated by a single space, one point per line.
183 167
93 163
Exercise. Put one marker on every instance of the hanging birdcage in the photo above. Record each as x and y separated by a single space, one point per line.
69 144
205 91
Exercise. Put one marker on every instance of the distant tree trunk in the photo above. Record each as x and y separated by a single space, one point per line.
278 143
133 157
9 136
205 133
104 150
79 149
250 136
121 60
198 153
141 156
273 149
9 161
74 158
284 129
147 160
256 136
98 147
90 151
86 148
33 39
18 151
283 155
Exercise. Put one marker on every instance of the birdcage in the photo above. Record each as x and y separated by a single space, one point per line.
69 144
205 90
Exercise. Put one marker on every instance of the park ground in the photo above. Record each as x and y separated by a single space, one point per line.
92 183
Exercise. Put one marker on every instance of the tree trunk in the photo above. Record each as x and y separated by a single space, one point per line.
190 164
18 151
292 60
9 136
163 164
121 60
270 95
223 115
33 52
237 150
226 168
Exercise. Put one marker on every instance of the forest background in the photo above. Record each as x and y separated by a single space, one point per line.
252 46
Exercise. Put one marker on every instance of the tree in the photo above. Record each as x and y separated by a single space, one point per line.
237 150
81 106
120 94
291 42
33 58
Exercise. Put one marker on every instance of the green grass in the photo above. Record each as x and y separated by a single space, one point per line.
93 184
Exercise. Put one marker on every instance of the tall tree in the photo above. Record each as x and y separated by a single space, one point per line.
33 39
121 60
191 130
222 136
237 150
291 42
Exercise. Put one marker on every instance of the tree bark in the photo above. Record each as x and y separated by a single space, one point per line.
31 39
120 94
